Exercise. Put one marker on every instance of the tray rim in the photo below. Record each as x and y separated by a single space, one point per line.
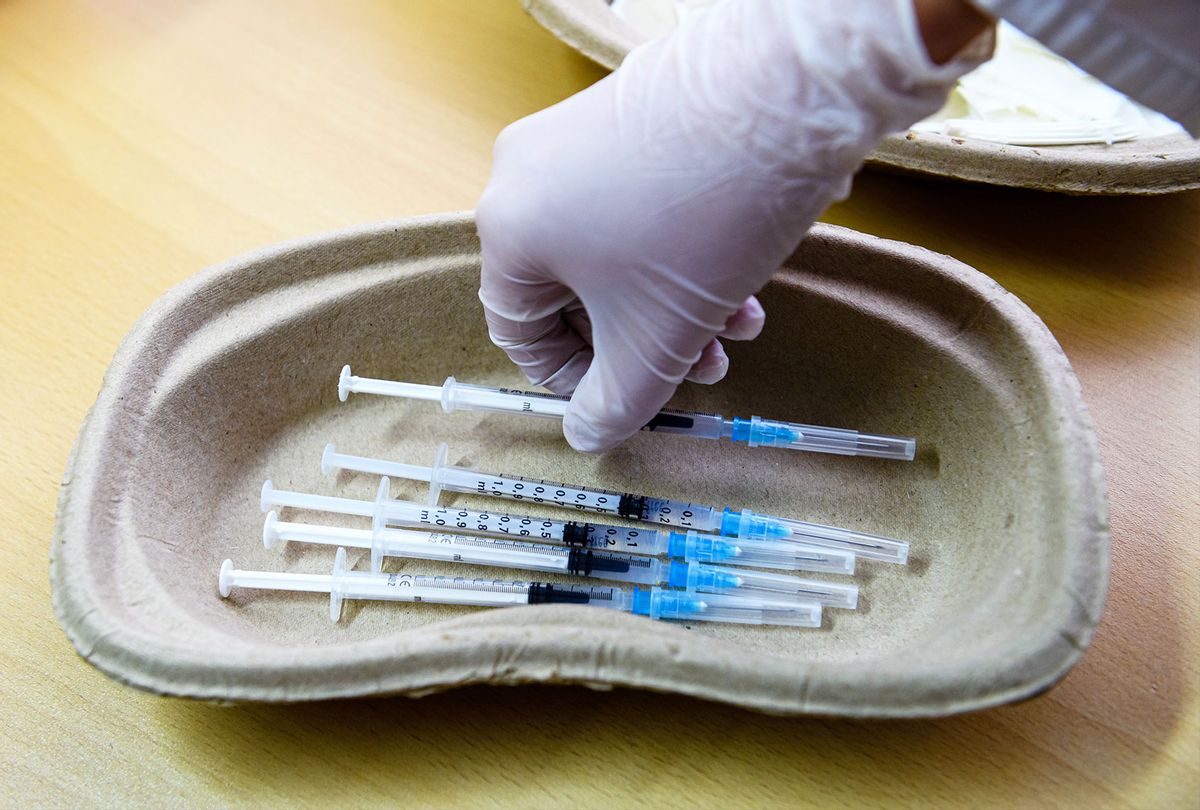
139 659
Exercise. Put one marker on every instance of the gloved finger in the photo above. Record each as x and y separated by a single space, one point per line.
746 323
548 350
712 365
625 386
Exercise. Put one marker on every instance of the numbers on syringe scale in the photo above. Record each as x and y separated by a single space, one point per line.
667 516
684 517
484 522
612 536
456 583
544 492
522 527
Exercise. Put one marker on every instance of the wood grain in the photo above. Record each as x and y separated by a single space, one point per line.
140 142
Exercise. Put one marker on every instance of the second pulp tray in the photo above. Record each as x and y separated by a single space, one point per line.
230 378
1158 165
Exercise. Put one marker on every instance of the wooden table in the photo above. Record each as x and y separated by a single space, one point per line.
140 142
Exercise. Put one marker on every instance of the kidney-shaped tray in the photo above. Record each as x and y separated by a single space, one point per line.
231 378
1158 165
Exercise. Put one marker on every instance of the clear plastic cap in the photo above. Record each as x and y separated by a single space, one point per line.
744 524
715 607
748 582
862 545
759 432
758 553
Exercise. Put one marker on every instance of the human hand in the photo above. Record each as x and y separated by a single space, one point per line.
627 228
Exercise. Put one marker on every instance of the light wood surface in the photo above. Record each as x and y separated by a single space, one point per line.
141 141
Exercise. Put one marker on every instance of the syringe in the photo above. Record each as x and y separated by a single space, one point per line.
755 431
690 545
655 603
584 562
740 523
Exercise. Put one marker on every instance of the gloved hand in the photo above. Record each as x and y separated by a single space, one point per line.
626 228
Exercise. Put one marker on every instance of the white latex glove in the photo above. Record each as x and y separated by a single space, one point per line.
626 228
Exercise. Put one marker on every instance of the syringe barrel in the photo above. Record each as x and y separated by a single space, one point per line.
439 590
631 540
533 490
576 557
661 511
459 479
602 596
456 395
583 562
474 550
688 423
394 587
596 536
469 520
619 567
669 512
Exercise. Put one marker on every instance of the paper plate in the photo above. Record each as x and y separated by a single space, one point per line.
231 378
1146 166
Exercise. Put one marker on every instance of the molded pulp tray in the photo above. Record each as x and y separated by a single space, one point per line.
1157 165
230 378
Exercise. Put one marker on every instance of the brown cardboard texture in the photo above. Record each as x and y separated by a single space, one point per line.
1158 165
231 378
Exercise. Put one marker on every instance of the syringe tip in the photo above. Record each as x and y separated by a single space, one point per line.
225 579
344 383
327 459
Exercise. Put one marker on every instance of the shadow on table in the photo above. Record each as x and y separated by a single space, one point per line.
1095 735
1096 267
